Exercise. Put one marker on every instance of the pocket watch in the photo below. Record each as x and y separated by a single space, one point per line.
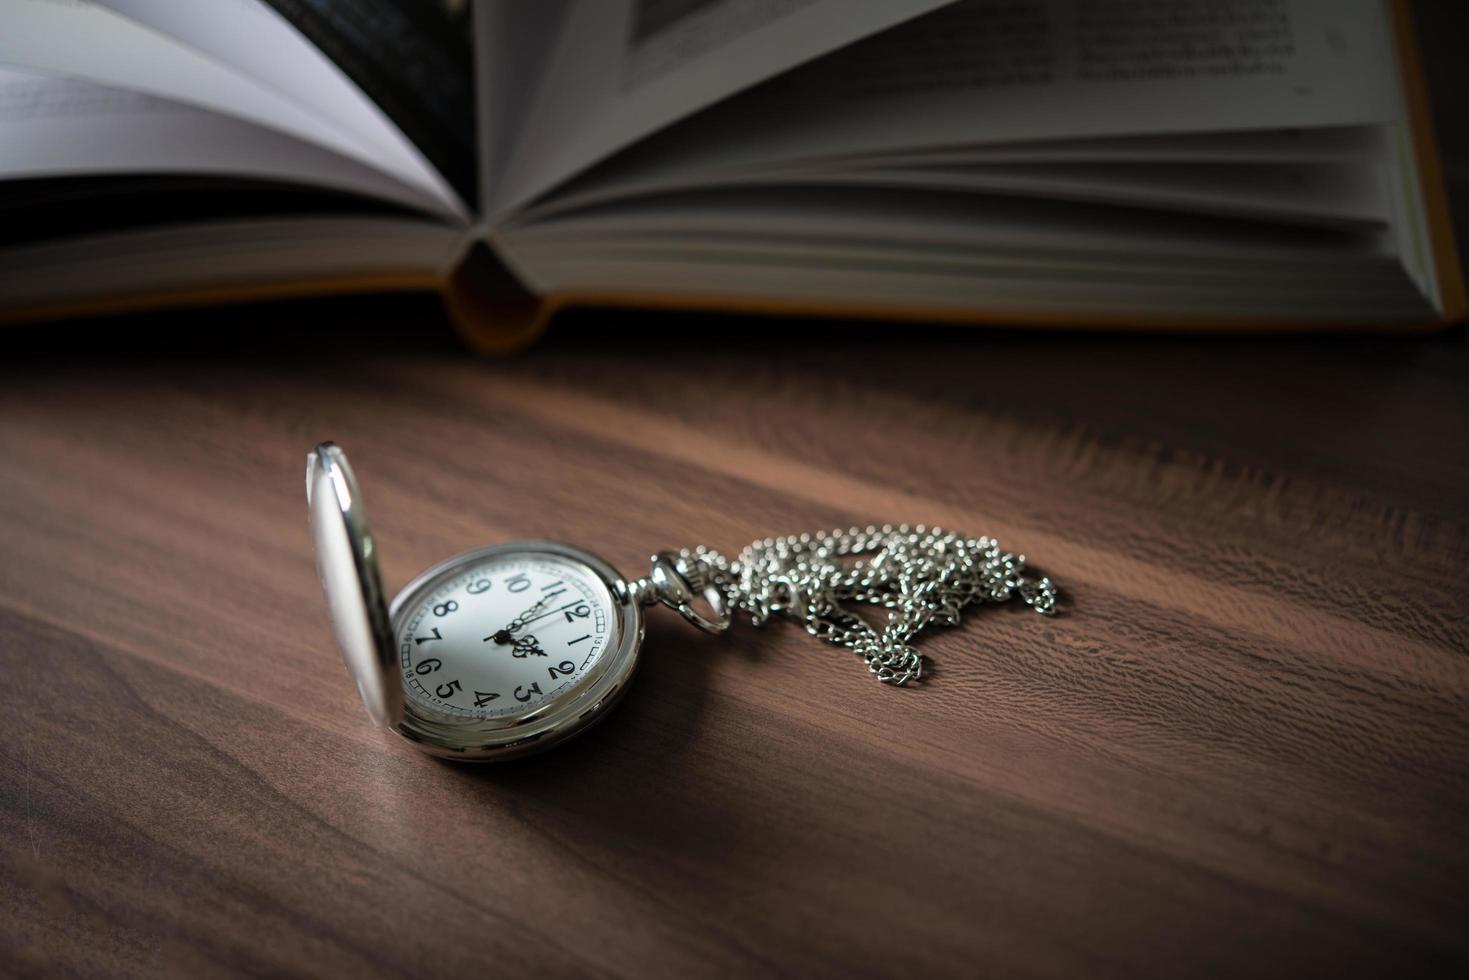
513 648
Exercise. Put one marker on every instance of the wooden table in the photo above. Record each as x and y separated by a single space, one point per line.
1242 750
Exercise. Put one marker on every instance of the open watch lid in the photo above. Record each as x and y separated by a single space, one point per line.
346 560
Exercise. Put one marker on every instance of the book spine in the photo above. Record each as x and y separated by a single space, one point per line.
1448 266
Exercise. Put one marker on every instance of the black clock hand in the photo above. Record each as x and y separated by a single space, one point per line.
527 645
504 636
552 612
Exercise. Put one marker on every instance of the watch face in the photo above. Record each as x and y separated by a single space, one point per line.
505 634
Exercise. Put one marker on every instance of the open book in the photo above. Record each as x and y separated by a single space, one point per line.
1190 164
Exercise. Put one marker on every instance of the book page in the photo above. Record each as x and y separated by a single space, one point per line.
1331 144
915 249
204 257
985 72
1276 191
54 126
623 69
513 44
252 37
83 40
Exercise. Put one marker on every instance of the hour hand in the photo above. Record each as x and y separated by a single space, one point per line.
526 646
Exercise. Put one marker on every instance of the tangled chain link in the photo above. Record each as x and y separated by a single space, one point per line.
921 575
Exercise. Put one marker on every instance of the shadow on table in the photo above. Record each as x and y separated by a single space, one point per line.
635 775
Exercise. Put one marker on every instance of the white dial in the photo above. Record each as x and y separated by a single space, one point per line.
505 635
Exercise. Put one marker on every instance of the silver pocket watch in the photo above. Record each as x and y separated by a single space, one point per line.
513 648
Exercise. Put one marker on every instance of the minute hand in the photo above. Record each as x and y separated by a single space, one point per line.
552 612
520 622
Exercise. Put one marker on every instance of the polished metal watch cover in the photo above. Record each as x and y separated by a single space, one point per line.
346 560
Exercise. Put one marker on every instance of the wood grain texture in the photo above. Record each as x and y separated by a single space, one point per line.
1242 751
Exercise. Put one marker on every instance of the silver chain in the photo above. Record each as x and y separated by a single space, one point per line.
923 576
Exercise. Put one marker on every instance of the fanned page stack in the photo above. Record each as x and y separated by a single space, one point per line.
1228 164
